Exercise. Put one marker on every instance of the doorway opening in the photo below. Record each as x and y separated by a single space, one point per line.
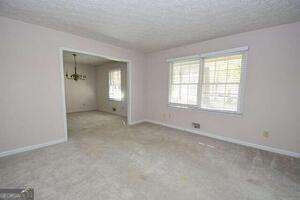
96 88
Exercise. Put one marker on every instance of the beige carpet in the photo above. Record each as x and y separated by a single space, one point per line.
105 160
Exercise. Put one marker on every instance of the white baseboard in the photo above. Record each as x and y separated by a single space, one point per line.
29 148
137 122
79 111
227 139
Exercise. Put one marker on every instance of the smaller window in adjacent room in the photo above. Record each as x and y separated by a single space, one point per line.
184 76
115 91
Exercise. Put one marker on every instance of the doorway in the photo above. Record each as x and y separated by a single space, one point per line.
95 83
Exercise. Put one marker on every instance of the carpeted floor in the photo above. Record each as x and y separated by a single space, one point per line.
105 160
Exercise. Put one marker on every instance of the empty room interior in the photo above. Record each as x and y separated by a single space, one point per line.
150 99
95 91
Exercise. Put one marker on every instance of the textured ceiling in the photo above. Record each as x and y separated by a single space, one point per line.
84 59
151 25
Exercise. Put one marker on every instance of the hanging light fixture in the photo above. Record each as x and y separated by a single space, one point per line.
75 76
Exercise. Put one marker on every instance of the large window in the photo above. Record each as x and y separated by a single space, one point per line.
115 91
184 82
210 82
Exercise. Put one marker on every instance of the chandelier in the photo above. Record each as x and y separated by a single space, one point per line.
75 76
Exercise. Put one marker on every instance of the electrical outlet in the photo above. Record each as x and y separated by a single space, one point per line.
196 125
266 133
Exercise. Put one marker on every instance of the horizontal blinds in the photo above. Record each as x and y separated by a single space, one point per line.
115 91
221 82
184 82
216 84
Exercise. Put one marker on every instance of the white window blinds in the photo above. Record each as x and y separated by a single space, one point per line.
212 82
184 82
221 83
115 91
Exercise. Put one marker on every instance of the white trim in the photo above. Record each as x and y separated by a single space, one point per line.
242 85
33 147
170 79
185 58
202 57
210 54
62 84
231 140
137 122
129 74
226 139
114 99
197 108
224 52
199 85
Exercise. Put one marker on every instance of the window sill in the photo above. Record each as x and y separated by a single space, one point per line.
196 108
111 99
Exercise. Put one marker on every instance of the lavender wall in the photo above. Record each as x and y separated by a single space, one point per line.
80 95
271 96
31 109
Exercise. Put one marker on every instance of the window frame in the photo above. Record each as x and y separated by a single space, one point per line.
109 75
188 58
201 57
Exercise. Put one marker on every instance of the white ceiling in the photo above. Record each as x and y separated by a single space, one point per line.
151 25
84 58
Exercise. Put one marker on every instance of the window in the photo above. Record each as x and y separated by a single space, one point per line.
184 82
115 91
220 84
